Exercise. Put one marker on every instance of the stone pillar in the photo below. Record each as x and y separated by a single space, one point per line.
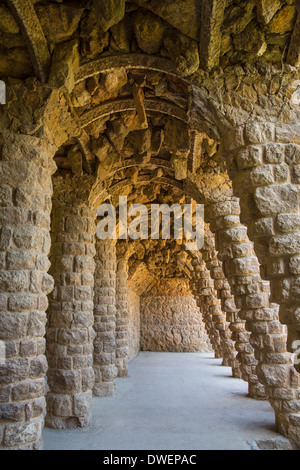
274 368
202 289
241 269
105 319
70 332
26 167
122 317
263 162
233 323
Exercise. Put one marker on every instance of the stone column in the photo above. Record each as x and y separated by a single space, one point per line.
233 324
70 332
263 162
202 289
241 269
122 316
274 368
26 167
105 319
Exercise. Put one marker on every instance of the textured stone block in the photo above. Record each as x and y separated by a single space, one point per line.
18 435
64 382
275 199
82 403
249 157
274 153
260 133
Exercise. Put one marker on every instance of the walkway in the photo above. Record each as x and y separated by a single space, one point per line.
172 401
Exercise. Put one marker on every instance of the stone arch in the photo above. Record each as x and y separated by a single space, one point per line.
212 302
235 139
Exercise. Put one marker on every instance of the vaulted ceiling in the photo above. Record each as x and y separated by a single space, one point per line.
194 34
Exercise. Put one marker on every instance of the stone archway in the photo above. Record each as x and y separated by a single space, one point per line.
134 112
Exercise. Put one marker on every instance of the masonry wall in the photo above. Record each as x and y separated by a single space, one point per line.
133 324
172 324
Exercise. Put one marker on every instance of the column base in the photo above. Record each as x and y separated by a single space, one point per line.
22 436
56 422
39 445
236 373
218 355
123 372
257 391
104 389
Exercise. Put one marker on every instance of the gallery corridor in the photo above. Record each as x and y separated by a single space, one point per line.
174 401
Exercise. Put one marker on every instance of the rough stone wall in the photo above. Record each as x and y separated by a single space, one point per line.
172 323
134 324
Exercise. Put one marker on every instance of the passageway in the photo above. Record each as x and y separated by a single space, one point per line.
173 401
175 118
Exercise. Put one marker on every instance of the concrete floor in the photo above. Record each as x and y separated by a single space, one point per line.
172 401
